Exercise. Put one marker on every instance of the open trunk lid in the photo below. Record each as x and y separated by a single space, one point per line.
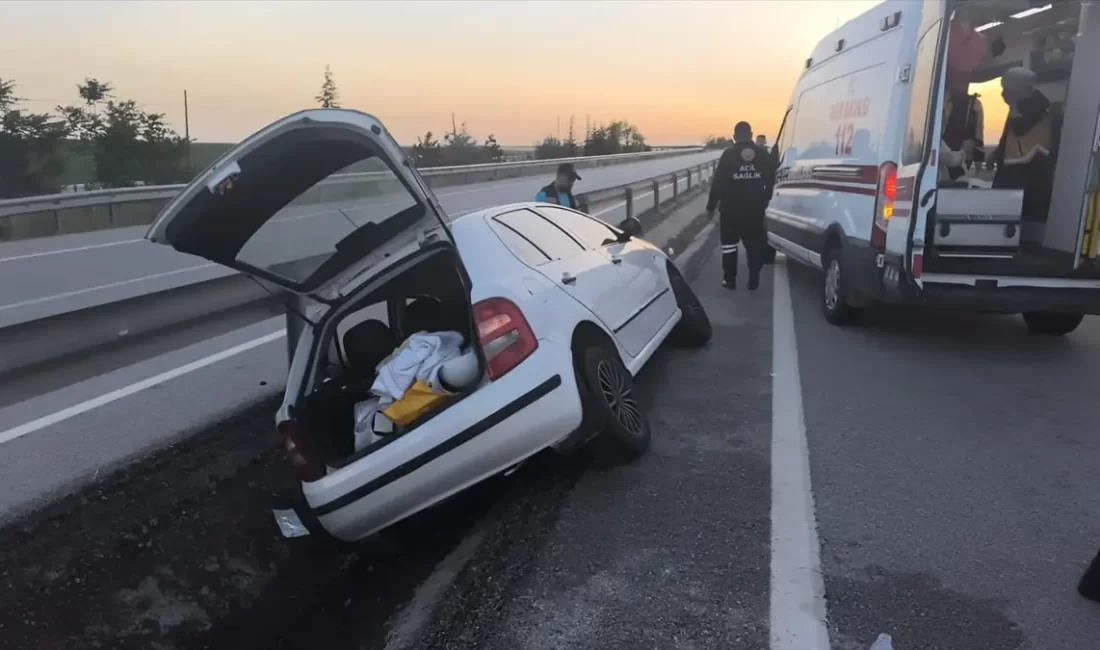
306 203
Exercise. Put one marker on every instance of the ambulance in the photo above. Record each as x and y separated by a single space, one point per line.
886 182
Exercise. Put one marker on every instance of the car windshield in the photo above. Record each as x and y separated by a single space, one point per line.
333 223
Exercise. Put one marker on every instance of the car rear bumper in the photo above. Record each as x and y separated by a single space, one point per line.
527 410
1012 299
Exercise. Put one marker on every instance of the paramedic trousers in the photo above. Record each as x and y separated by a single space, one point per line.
738 228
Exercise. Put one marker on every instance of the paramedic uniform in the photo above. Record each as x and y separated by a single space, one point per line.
741 191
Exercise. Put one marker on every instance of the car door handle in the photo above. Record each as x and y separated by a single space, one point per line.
615 259
568 278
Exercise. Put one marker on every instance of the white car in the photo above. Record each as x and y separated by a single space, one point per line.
559 309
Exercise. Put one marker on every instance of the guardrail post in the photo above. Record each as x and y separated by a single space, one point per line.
656 195
629 202
675 186
689 180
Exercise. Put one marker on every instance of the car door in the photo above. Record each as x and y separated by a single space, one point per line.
583 272
306 203
642 273
915 187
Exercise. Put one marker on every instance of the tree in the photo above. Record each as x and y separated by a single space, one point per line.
426 151
618 137
92 91
461 148
493 151
549 149
570 146
719 142
329 97
30 148
127 144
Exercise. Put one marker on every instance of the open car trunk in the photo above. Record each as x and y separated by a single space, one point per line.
423 299
1035 214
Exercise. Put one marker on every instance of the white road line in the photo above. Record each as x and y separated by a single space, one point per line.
68 250
418 612
126 391
69 294
798 610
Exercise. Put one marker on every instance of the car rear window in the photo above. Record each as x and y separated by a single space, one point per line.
520 246
309 231
550 239
594 233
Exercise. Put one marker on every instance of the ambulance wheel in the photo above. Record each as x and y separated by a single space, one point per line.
835 304
612 405
694 329
1051 323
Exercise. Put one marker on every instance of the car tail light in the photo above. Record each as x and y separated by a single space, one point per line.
506 338
884 203
300 450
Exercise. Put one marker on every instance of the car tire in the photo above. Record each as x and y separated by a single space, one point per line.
694 329
834 291
612 406
1051 323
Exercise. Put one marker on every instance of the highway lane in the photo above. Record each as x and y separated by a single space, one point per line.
954 469
43 277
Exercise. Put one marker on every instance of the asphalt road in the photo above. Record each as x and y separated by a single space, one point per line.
47 276
950 460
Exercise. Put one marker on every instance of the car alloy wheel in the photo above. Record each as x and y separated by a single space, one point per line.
620 397
832 285
612 406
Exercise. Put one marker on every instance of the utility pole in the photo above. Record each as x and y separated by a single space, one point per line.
187 129
559 128
454 127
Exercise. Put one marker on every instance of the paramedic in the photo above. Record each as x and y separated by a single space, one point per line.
1025 156
741 191
963 120
561 190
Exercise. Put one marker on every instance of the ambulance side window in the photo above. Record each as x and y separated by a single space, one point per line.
923 84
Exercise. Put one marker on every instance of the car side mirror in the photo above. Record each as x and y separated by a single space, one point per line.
630 227
775 151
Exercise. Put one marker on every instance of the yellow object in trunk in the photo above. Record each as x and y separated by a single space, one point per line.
418 400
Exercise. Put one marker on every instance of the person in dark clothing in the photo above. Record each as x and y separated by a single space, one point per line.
561 190
740 192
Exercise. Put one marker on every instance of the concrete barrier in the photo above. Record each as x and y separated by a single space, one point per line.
65 335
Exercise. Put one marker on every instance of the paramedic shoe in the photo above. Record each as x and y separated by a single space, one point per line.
754 280
730 283
1089 587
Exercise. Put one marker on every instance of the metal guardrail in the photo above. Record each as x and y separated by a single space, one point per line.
629 192
75 334
71 200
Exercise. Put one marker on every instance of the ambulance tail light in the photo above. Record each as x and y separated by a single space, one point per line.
884 203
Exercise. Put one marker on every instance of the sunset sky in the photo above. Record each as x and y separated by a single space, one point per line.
679 70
